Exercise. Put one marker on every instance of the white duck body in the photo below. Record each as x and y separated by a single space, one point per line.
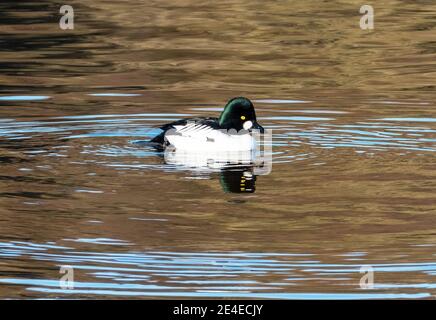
201 137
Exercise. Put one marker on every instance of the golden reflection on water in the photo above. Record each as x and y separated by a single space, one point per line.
353 116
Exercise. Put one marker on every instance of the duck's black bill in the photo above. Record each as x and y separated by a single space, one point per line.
257 126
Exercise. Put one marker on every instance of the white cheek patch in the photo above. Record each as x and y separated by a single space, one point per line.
247 125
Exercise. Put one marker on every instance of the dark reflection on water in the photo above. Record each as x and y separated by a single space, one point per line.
238 181
354 140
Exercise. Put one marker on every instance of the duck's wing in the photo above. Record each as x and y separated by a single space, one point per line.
189 126
210 122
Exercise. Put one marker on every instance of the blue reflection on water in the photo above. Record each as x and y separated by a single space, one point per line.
400 134
411 119
202 274
23 98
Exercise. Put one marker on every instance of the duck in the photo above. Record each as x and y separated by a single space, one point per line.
233 131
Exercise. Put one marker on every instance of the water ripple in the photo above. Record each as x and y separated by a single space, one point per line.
201 274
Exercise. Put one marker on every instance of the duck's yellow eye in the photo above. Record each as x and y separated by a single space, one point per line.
242 117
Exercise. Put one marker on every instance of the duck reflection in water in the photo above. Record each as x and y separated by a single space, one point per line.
237 170
238 180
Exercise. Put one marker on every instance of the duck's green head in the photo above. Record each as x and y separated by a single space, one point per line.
239 114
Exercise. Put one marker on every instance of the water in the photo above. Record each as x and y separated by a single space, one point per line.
353 176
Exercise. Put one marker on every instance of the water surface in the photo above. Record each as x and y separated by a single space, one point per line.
354 139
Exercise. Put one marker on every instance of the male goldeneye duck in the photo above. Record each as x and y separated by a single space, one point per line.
232 131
